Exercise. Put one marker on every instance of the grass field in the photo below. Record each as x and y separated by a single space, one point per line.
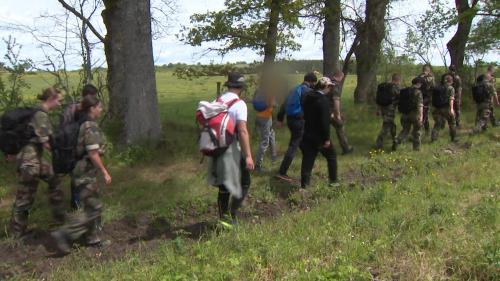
428 215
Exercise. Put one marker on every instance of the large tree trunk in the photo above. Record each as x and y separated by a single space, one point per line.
272 32
456 45
331 37
371 34
131 72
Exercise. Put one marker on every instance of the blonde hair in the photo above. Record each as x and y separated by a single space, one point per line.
49 93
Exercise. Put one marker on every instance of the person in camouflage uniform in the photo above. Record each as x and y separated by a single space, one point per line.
91 144
491 72
388 114
415 117
336 118
34 163
484 108
457 87
427 93
70 114
446 113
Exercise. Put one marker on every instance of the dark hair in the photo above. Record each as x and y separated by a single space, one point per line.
88 102
88 90
452 68
417 80
480 78
310 77
49 93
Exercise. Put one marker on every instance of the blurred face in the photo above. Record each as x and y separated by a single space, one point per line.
427 69
95 111
54 102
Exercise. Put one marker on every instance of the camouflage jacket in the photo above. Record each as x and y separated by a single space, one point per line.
90 138
42 127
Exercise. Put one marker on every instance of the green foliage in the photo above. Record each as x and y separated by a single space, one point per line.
11 93
486 35
243 24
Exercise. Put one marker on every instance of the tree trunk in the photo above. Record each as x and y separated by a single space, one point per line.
131 72
272 32
456 45
371 32
331 37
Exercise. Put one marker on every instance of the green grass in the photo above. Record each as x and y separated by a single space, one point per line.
428 215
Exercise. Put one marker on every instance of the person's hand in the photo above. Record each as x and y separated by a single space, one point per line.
327 144
249 163
107 178
279 124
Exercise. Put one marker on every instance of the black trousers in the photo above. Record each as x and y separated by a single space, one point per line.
224 195
296 126
309 153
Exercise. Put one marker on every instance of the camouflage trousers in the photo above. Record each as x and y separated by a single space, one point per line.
457 107
483 116
85 220
33 167
442 115
341 135
388 126
407 122
425 118
492 116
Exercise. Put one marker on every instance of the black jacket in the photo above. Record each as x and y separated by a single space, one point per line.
317 118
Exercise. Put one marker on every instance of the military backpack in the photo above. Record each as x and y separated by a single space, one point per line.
479 93
64 145
15 131
439 97
406 102
384 96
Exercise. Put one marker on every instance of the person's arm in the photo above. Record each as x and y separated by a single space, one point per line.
244 138
96 160
325 123
452 100
336 109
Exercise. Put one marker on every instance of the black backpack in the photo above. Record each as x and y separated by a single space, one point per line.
15 131
479 93
384 95
405 101
64 145
439 97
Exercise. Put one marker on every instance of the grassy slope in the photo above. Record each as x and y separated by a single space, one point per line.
414 216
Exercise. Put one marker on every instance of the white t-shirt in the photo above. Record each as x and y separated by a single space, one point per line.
238 111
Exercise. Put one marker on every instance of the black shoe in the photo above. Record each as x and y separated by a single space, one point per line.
62 244
394 146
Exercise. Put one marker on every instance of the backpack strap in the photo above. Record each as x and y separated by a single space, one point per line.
231 102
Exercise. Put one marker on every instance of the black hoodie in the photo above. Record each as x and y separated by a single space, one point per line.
317 118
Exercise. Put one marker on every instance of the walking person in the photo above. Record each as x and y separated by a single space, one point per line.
485 96
387 100
264 124
411 107
426 89
316 136
90 148
230 172
443 101
292 108
34 163
457 89
491 73
337 120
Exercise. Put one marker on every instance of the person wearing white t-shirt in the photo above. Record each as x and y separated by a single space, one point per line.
230 172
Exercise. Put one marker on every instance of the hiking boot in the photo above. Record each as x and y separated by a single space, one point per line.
349 150
261 169
394 146
61 240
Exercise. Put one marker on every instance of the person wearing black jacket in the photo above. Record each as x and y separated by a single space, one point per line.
316 136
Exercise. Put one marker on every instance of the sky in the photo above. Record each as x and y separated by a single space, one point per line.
168 49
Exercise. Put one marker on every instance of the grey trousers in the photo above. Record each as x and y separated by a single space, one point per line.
267 138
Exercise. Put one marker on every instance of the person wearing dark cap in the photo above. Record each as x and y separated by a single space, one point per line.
292 108
414 115
317 132
443 101
230 172
457 87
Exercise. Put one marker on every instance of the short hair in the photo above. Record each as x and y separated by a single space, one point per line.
396 77
49 93
426 66
88 102
89 90
310 77
417 80
490 68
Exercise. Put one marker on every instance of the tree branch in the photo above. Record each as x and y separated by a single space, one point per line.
84 19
